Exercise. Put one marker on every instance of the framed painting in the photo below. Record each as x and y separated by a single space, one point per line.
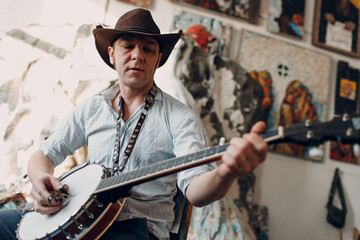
347 89
243 9
349 153
139 3
296 87
346 101
286 17
336 26
209 34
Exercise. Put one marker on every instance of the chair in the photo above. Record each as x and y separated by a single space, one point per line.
183 209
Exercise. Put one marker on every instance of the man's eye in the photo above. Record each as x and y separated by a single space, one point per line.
149 50
128 46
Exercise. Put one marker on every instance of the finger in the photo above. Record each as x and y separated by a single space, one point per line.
43 209
237 158
64 189
55 183
256 153
257 143
254 148
44 189
232 164
258 127
44 198
35 195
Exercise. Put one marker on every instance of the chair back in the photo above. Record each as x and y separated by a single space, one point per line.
183 209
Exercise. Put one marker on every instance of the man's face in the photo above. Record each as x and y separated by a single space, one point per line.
135 59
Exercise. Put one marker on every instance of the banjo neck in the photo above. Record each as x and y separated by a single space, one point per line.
345 129
174 165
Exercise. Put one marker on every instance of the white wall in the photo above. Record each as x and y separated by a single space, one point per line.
295 190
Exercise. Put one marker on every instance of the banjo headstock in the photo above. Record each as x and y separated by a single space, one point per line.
345 129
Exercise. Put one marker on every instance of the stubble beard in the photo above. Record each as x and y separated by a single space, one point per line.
134 84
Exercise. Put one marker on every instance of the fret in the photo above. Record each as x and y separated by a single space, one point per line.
216 149
200 154
111 181
150 169
125 176
103 183
163 166
210 151
172 162
131 175
157 167
137 173
180 161
142 171
119 178
189 158
222 148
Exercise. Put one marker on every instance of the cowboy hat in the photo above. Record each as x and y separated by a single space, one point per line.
135 22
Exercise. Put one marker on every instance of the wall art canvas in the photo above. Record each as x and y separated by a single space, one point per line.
349 153
210 34
347 93
347 89
139 3
295 82
336 26
243 9
213 85
286 17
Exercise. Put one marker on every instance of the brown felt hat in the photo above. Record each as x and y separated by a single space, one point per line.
135 22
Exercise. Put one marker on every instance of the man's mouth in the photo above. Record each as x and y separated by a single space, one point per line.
136 69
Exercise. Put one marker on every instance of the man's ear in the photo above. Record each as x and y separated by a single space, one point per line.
159 59
111 54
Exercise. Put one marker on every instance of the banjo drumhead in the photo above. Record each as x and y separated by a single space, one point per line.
82 183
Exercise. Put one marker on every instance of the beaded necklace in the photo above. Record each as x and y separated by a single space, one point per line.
149 100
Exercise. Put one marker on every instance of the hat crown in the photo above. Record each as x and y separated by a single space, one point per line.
137 20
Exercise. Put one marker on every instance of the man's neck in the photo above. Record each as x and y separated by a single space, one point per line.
132 99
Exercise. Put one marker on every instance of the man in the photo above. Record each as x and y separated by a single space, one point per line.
134 124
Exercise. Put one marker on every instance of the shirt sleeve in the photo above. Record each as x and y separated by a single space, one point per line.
189 137
69 136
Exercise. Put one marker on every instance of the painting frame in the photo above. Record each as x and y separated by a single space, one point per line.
247 10
347 95
286 18
140 3
328 20
183 19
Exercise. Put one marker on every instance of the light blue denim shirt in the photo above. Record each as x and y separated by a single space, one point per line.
171 129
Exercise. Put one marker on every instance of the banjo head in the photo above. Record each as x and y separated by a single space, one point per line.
82 183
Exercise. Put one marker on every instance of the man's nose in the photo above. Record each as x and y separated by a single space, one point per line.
137 53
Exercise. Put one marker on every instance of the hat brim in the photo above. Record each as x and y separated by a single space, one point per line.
104 38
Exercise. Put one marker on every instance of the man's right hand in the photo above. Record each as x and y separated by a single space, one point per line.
47 195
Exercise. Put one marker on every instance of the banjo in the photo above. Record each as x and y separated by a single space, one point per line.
92 206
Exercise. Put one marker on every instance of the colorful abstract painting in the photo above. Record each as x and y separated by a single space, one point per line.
244 9
295 81
286 17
